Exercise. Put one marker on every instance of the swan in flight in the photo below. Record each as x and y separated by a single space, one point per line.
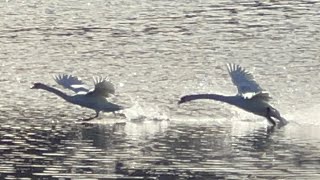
251 97
90 98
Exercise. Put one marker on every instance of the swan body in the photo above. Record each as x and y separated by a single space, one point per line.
250 97
90 98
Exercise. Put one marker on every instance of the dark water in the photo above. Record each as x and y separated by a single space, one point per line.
154 52
152 149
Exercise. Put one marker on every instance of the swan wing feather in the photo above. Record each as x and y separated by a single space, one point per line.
71 82
245 83
102 87
263 96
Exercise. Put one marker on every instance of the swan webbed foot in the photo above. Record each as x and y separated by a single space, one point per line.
88 119
118 114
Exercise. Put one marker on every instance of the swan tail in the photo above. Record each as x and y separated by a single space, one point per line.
283 121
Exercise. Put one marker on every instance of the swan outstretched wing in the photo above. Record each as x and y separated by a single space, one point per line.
102 87
246 85
71 82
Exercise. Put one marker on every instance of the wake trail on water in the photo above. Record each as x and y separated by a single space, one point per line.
305 116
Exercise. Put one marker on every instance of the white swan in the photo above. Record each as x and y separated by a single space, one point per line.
94 99
251 97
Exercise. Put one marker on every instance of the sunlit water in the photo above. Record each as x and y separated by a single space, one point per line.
155 52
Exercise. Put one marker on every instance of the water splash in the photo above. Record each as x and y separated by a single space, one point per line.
145 111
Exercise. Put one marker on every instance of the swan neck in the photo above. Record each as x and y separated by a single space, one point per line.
216 97
55 91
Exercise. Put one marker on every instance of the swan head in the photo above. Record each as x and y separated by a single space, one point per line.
37 86
184 99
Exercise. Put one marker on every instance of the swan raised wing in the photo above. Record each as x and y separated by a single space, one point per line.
246 85
102 87
71 82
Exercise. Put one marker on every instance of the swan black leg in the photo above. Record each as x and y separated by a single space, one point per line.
270 129
269 117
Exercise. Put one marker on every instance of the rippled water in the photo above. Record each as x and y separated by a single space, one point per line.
155 52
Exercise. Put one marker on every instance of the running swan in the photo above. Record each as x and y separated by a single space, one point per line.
93 99
251 97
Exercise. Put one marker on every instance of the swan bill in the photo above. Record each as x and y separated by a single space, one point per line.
183 99
36 86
